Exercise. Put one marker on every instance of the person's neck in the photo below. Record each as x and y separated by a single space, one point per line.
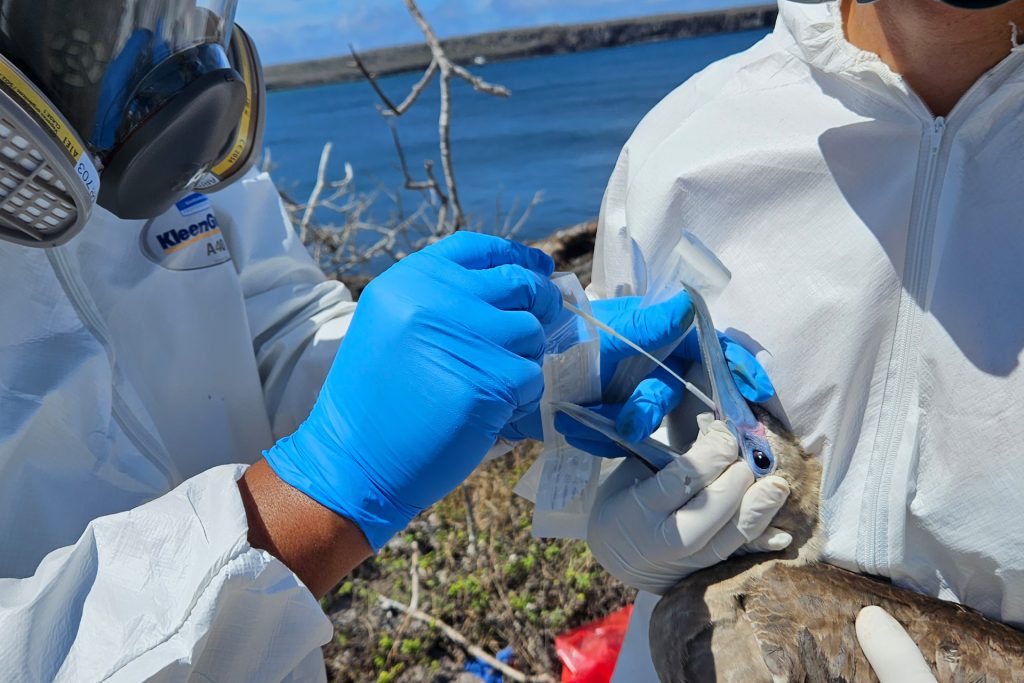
940 51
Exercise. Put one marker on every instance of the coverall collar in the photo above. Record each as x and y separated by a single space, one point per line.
813 33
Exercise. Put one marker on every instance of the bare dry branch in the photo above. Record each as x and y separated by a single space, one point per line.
429 184
444 128
360 239
511 232
414 572
462 641
440 63
479 84
428 32
315 194
414 600
467 498
372 79
417 89
410 99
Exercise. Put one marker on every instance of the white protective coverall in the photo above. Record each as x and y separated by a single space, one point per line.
136 363
876 258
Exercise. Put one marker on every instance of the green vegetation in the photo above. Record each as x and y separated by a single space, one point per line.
506 589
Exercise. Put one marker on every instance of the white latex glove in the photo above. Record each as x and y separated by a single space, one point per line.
649 531
892 654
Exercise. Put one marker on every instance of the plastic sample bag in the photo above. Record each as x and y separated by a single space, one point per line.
563 481
588 653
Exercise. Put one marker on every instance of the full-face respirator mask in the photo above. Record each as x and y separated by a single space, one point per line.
129 104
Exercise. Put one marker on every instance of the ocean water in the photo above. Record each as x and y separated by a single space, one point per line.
559 133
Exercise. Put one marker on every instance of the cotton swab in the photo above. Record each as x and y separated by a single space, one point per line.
604 328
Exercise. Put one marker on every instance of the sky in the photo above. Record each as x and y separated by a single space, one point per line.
295 30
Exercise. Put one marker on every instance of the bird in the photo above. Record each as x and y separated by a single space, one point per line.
789 617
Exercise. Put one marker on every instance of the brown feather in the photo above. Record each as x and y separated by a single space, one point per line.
788 617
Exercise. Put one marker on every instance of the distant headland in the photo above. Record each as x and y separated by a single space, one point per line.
523 43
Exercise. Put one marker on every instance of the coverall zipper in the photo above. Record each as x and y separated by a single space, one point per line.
900 387
147 443
872 550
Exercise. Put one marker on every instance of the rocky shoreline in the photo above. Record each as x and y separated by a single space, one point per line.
524 43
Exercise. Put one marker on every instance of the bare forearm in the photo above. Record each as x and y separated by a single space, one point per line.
320 546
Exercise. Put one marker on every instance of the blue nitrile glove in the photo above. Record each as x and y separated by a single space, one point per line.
658 394
650 328
445 348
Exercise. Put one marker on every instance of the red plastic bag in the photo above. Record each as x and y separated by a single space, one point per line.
589 652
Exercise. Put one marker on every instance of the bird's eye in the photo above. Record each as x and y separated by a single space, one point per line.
761 459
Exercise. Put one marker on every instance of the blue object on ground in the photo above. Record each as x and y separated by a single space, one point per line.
486 672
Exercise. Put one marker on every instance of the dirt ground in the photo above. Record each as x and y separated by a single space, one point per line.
480 571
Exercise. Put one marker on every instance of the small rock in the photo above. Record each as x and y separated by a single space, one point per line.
397 543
